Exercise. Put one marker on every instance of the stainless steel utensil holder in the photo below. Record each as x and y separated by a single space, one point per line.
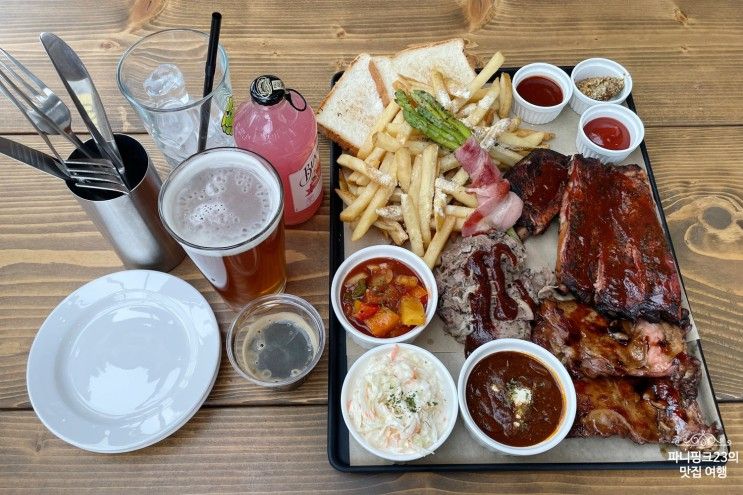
131 222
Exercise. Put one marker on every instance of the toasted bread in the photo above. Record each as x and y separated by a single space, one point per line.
348 113
417 62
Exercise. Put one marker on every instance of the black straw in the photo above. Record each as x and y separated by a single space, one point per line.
209 69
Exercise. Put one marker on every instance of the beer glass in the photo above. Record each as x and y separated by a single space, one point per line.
225 207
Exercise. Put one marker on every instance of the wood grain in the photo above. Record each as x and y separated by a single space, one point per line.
685 57
39 266
282 450
702 194
48 248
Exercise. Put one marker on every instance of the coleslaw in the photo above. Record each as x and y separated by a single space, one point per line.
397 403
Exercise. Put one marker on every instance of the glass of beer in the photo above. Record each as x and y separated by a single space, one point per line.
225 207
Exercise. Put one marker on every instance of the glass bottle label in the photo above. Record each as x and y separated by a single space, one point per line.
306 183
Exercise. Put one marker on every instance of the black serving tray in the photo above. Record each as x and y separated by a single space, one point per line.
338 434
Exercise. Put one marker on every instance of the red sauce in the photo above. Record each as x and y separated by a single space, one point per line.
608 133
377 295
492 387
540 91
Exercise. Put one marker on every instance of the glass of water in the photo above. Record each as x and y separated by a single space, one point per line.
162 76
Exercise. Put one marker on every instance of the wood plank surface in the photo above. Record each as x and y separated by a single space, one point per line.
282 450
38 266
685 57
48 248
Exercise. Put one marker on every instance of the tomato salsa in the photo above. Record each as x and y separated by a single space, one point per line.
514 399
384 298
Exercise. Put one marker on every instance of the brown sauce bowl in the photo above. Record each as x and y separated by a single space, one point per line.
549 361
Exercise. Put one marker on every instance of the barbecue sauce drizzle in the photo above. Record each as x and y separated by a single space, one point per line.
491 298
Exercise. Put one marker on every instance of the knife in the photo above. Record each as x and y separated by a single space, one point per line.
32 157
80 86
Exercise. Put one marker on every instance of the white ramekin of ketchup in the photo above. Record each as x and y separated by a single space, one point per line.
609 132
540 93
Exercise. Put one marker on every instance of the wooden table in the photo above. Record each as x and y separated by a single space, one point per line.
686 59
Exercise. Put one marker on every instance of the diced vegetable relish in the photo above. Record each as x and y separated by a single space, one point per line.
384 298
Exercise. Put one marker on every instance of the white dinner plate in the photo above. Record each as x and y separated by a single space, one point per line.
124 361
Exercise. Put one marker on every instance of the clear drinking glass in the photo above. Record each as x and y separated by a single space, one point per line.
162 76
225 206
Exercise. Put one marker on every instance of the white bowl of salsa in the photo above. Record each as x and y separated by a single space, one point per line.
515 397
383 295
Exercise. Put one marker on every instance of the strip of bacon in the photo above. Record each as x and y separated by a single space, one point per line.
498 208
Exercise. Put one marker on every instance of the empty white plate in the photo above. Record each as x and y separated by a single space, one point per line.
124 361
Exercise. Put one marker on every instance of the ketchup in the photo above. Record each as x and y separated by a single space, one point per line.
608 133
540 91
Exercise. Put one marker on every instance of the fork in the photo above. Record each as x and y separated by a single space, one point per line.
91 173
51 115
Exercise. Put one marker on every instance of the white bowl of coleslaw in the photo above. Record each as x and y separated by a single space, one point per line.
399 402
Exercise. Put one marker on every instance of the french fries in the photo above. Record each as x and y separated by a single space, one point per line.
415 192
381 196
425 195
482 107
439 240
404 167
506 96
486 73
412 222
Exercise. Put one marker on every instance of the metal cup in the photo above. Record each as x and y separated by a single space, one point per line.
131 222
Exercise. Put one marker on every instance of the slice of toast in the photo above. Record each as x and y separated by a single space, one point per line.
348 113
384 74
417 62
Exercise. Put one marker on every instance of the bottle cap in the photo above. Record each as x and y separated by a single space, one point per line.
267 90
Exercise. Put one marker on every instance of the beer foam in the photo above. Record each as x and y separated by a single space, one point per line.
221 199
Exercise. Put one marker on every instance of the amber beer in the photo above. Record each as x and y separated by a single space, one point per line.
225 207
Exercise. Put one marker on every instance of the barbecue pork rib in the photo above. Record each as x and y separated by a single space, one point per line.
645 410
612 251
590 345
539 180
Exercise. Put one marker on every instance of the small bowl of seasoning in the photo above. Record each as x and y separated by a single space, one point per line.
599 80
541 91
276 341
609 132
383 295
515 397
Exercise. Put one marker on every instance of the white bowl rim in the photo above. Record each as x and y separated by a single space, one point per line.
624 113
550 362
567 89
621 71
412 261
450 390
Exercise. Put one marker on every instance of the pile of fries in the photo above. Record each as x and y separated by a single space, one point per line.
413 191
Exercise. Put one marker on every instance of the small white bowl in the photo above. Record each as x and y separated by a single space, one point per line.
597 67
634 125
412 261
534 114
447 383
551 363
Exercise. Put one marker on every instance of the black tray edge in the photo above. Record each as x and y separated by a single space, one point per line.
338 443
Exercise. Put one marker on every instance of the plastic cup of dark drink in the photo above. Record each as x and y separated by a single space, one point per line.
225 207
276 341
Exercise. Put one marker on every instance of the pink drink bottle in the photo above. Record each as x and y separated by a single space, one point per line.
278 124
